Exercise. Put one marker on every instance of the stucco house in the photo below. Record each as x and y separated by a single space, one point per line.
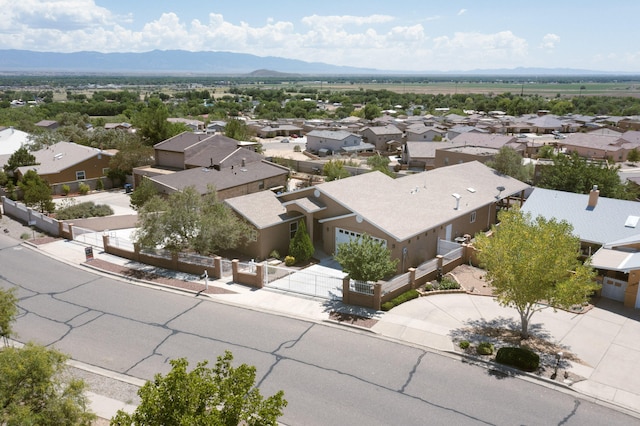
410 215
421 132
336 141
202 160
385 138
609 234
69 163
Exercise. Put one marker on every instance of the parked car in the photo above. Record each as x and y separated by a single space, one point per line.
285 140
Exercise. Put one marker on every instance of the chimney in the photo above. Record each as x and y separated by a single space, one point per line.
593 197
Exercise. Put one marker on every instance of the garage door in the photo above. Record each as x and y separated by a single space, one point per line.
614 289
344 236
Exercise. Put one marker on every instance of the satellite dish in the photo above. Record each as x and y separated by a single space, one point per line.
359 218
316 193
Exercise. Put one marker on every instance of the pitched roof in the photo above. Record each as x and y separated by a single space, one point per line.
408 206
488 140
181 142
331 134
603 224
61 156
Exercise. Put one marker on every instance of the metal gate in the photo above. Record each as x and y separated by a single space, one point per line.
312 281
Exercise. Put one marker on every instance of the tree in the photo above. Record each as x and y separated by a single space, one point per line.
334 169
365 259
34 389
633 155
509 162
237 129
381 164
222 395
143 193
372 111
186 220
36 192
8 312
301 246
152 123
21 157
131 153
530 262
575 174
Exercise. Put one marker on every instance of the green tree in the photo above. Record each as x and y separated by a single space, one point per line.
222 395
509 162
186 220
334 169
143 193
131 153
530 262
237 129
633 155
35 390
8 312
372 111
21 157
152 123
365 259
301 246
381 164
36 192
575 174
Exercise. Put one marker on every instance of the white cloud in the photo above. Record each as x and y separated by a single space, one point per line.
462 12
550 41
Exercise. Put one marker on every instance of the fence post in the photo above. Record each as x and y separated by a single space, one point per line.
217 267
259 275
412 278
105 242
345 289
234 269
377 296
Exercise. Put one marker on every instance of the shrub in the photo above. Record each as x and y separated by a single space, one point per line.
66 189
25 236
521 358
448 283
274 254
289 260
404 297
83 210
428 287
83 188
99 185
297 148
485 348
464 344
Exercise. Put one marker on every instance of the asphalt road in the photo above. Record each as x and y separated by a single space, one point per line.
330 375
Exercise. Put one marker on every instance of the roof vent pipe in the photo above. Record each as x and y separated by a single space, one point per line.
457 197
593 197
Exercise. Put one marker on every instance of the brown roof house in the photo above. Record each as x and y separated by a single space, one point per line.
69 163
410 215
326 142
385 138
201 160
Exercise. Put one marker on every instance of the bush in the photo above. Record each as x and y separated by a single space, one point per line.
83 188
297 148
404 297
428 287
485 348
464 344
83 210
66 189
289 260
521 358
274 254
25 236
99 185
448 283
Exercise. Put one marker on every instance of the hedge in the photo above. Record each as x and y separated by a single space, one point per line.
521 358
404 297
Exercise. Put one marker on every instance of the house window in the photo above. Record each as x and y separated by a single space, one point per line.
446 161
473 217
105 171
80 175
293 228
261 184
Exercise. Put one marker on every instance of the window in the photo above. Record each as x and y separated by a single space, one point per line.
80 175
105 171
261 184
473 217
293 228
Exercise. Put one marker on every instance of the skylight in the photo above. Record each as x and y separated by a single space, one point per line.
632 221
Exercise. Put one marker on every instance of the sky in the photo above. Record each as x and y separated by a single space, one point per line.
406 35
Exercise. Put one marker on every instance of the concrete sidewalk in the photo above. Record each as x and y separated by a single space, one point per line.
605 337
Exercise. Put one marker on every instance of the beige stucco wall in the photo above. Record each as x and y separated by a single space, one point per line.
92 168
169 159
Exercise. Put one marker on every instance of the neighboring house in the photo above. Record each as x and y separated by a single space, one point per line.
67 162
325 142
216 127
201 160
596 146
422 155
11 140
458 130
410 215
420 132
609 231
273 130
47 124
463 154
125 127
546 124
385 138
489 140
192 125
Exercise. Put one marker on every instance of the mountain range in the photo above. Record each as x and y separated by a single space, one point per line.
172 62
